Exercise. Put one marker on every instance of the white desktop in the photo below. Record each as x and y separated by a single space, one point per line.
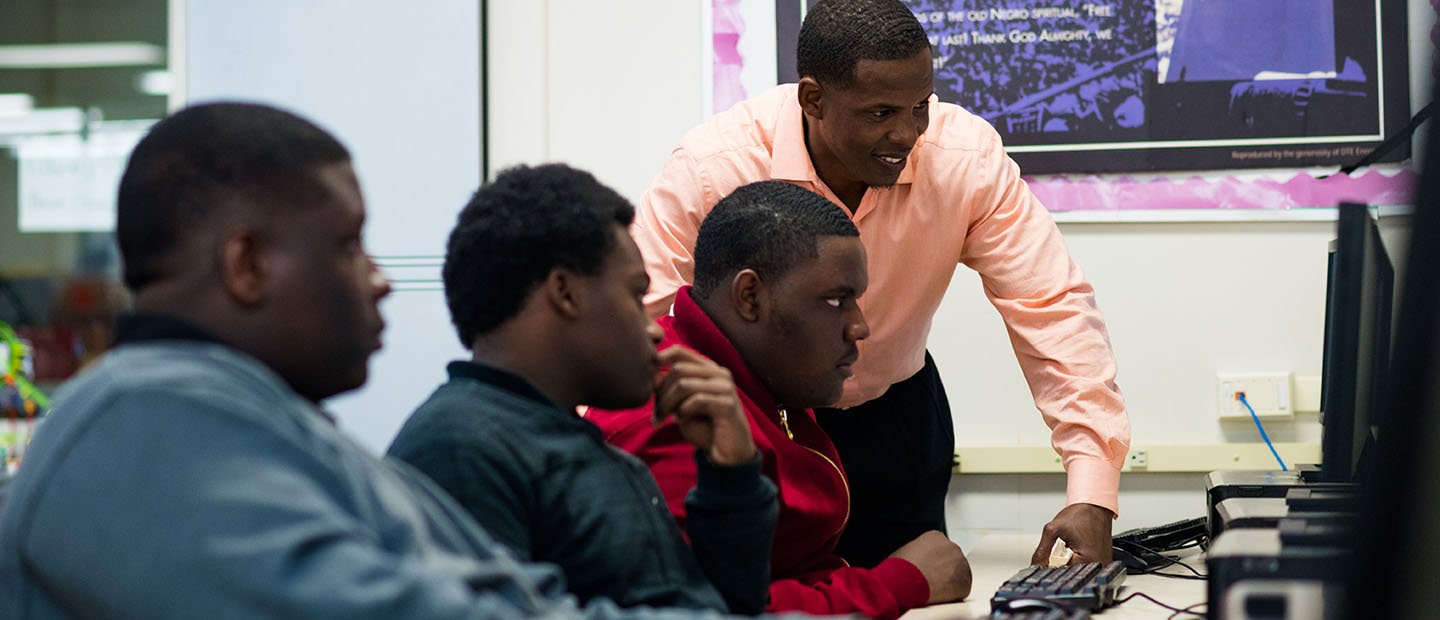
998 556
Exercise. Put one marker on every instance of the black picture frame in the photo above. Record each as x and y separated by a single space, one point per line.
1071 102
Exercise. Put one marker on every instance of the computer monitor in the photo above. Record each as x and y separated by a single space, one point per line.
1398 560
1357 343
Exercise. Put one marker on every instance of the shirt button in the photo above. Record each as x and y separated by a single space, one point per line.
654 501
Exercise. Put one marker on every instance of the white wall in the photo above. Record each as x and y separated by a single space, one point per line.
401 88
1184 301
609 86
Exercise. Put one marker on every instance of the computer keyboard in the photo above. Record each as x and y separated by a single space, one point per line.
1143 549
1163 537
1090 586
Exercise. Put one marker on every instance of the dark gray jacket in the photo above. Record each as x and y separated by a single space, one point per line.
181 479
544 482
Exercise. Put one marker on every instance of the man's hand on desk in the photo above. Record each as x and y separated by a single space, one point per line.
1084 527
943 564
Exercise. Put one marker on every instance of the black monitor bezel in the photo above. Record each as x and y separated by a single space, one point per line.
1357 343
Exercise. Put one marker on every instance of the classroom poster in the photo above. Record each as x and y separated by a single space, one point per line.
1085 86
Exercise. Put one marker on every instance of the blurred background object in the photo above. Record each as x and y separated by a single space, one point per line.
80 81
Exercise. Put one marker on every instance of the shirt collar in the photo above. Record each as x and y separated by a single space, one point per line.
145 327
503 379
696 330
139 327
790 159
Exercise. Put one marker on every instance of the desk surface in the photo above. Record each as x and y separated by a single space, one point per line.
997 557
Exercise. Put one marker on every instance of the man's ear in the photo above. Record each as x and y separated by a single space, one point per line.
810 94
748 294
242 265
562 292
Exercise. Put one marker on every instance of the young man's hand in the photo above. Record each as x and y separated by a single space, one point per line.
943 564
701 396
1085 528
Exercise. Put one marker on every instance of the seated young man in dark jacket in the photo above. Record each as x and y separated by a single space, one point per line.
778 270
545 287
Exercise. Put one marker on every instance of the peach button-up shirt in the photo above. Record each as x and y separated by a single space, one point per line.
960 199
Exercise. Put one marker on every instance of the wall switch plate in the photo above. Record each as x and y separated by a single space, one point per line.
1271 394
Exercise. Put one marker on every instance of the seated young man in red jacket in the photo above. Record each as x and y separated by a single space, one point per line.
778 270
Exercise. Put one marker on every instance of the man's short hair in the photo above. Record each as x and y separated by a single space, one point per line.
201 158
838 34
769 227
518 228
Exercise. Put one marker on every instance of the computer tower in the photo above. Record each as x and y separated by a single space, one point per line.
1283 599
1264 555
1270 512
1223 485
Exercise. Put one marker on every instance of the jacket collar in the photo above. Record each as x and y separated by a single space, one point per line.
693 328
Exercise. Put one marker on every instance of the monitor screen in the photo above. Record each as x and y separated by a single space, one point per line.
1357 342
1398 558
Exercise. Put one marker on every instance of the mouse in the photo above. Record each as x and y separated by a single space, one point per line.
1133 564
1060 553
1033 604
1028 603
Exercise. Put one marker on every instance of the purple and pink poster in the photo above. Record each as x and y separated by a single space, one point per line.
1142 87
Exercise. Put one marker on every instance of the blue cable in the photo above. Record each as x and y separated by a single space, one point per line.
1256 418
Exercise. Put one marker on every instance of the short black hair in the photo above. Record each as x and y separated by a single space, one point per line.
200 158
770 227
838 34
515 230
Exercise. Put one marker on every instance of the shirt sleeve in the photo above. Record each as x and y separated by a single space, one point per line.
666 224
732 513
196 515
884 592
1055 326
829 586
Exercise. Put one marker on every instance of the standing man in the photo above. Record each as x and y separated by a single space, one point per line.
929 186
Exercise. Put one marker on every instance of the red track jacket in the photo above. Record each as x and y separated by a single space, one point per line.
814 497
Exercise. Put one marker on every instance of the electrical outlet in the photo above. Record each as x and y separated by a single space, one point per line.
1138 459
1269 393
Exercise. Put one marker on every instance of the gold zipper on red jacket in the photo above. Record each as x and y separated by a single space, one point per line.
843 481
785 424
